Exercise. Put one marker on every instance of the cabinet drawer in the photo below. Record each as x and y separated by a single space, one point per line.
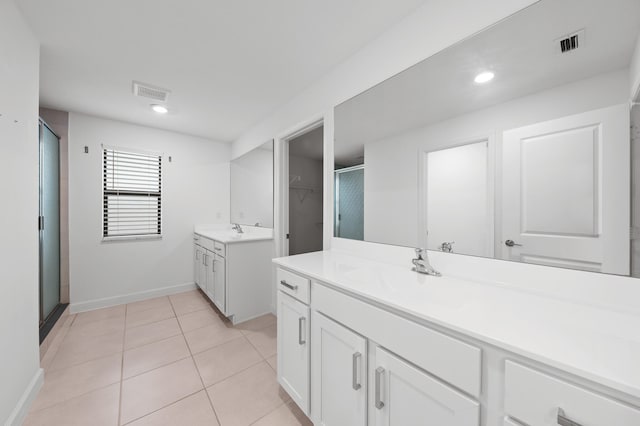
205 242
450 359
294 284
538 399
219 248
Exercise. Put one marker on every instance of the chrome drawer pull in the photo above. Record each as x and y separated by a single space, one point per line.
379 373
301 340
564 420
218 249
355 383
289 286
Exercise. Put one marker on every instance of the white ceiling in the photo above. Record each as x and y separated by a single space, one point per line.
520 50
227 63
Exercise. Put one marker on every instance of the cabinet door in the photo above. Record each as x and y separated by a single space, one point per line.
219 282
202 270
293 349
339 374
197 260
208 271
404 395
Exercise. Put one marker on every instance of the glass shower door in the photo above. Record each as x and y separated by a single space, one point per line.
349 203
49 222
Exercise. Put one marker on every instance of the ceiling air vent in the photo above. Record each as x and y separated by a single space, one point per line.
150 92
569 42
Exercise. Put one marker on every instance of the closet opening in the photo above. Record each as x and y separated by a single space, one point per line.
304 210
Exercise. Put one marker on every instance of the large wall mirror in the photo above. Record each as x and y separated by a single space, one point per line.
252 187
514 144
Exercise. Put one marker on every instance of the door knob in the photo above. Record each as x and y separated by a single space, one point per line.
511 243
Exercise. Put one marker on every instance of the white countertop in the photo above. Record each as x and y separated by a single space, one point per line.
226 235
594 343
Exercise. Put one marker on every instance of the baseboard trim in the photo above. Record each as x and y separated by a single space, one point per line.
90 305
19 413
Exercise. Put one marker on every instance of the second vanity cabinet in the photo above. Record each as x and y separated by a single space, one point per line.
234 275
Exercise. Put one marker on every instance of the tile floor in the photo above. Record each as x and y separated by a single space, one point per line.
165 361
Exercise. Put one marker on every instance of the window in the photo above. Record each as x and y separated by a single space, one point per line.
132 194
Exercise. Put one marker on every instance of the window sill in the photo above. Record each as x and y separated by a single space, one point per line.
129 238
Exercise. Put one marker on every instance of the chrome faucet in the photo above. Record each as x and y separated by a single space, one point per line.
447 247
422 265
237 227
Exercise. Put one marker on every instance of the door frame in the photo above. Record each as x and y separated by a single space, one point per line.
423 153
281 180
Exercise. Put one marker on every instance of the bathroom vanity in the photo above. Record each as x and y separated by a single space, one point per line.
365 341
234 269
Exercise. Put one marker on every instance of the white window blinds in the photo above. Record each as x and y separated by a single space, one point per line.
132 194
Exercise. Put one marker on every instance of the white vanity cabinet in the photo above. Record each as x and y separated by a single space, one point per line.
339 379
382 354
234 275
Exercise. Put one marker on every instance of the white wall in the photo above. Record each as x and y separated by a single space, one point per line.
252 188
392 168
19 78
195 190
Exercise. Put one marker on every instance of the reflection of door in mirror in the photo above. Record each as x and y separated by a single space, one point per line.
566 185
455 199
349 203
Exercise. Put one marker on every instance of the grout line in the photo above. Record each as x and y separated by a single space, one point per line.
269 413
124 337
204 388
74 397
164 406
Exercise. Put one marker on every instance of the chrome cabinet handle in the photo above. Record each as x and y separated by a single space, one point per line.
379 373
355 383
197 254
213 265
511 243
204 260
218 249
289 286
564 420
301 340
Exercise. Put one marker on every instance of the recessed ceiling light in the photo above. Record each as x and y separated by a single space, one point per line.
484 77
160 109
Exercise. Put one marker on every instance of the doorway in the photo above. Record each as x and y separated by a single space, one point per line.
305 191
49 228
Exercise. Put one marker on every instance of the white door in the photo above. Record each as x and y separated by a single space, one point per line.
566 186
293 349
219 282
339 374
457 198
407 396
